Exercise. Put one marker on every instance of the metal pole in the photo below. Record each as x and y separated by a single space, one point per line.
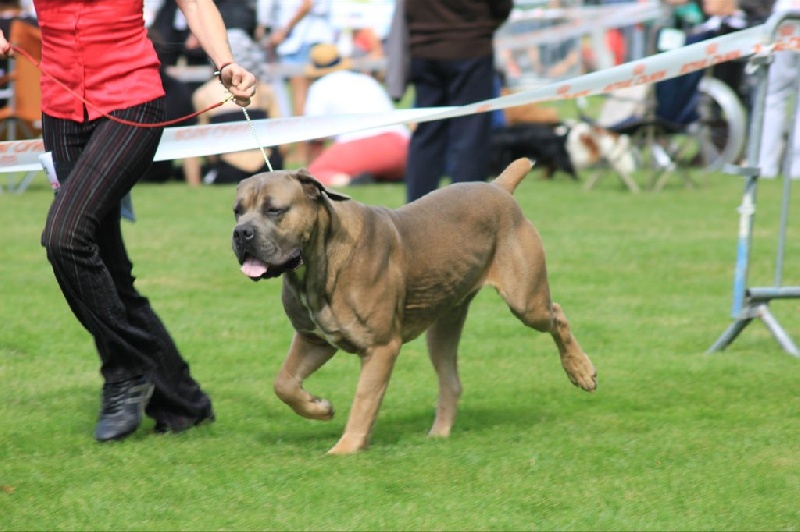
751 173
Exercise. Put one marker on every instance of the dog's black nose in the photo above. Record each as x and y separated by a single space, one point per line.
244 233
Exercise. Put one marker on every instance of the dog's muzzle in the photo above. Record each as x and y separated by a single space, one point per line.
253 266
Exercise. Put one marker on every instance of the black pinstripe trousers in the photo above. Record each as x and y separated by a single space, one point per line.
98 162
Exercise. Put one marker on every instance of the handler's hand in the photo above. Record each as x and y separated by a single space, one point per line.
5 46
240 82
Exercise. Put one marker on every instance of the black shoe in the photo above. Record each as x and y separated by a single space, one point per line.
123 407
183 424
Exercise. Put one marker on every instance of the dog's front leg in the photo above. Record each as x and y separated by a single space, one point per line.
306 355
376 369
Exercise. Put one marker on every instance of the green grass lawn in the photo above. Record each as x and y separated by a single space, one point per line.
673 439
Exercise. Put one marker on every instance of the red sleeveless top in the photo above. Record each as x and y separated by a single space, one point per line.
100 50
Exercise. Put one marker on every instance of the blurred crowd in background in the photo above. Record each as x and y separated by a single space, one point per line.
275 39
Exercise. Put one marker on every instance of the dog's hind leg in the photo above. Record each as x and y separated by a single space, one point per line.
548 317
442 339
306 355
575 362
520 276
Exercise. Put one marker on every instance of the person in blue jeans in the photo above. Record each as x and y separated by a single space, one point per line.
452 63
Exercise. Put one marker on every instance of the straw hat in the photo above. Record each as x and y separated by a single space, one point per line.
325 58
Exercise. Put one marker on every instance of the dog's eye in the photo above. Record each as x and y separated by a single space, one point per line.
274 211
237 211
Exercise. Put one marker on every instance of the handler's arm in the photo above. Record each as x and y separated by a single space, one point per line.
206 24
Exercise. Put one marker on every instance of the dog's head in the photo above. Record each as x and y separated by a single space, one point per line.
589 144
276 213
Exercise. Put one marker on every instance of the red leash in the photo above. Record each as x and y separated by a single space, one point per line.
35 63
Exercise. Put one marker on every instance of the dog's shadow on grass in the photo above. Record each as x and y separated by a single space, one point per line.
395 428
471 419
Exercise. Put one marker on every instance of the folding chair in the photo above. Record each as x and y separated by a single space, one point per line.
21 118
678 124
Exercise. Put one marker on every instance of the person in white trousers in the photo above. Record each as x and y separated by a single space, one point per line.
782 83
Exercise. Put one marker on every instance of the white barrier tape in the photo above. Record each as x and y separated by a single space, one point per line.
192 141
182 142
214 139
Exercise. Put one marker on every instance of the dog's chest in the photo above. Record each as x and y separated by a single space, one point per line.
325 323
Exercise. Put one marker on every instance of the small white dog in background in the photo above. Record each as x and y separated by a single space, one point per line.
565 146
589 145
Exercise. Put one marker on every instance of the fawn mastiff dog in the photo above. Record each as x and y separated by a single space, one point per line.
369 279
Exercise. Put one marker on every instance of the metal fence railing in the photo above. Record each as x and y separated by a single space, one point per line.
751 303
539 44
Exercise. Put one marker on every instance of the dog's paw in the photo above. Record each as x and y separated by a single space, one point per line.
440 430
581 373
348 445
319 409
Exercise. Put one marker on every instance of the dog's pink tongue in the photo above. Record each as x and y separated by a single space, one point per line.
254 268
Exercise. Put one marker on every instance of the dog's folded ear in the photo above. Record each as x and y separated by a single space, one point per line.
314 189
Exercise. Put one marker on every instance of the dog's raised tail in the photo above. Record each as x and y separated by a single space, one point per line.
513 174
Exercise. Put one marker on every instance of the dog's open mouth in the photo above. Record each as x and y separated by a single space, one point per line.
257 269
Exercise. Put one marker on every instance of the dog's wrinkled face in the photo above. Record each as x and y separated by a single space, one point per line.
275 214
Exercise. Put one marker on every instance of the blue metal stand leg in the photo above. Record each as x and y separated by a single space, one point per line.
730 335
777 331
